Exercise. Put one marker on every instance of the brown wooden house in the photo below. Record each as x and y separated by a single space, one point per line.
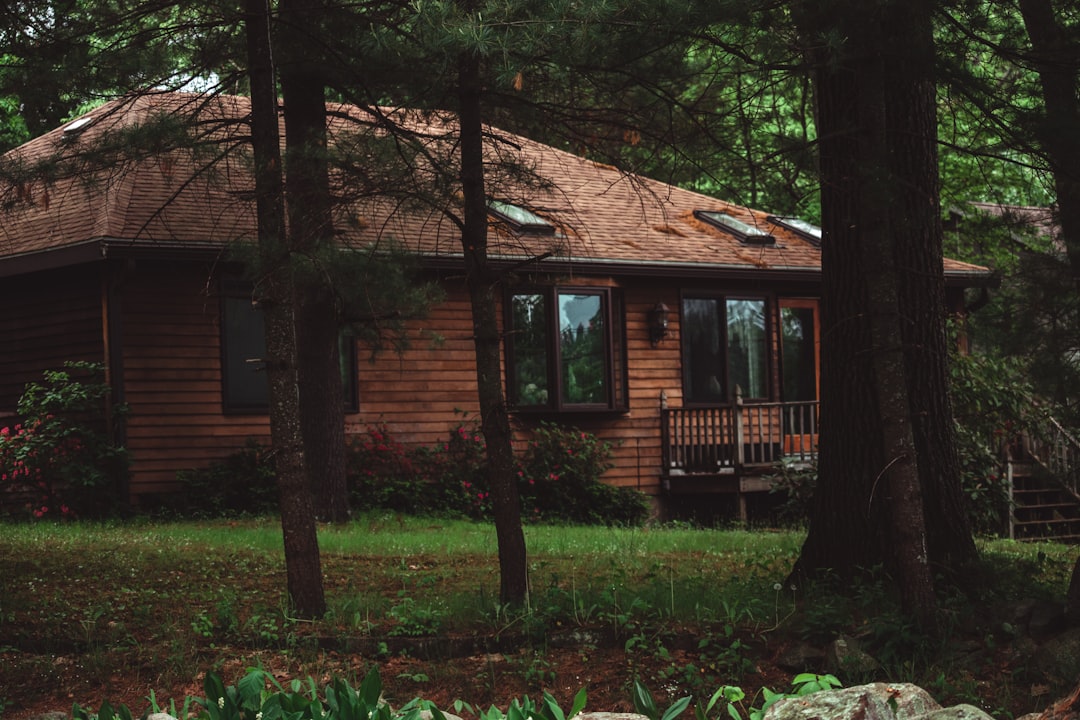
681 327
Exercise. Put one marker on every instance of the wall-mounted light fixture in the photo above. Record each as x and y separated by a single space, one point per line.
658 323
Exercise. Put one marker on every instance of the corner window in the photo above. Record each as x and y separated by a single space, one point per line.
725 344
243 364
565 350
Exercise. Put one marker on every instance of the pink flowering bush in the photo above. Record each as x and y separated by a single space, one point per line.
559 480
456 473
59 462
381 474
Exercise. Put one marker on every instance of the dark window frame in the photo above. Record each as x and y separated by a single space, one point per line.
616 374
234 289
769 303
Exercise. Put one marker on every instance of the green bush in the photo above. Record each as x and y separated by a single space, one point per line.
60 457
382 475
560 480
458 471
242 483
795 482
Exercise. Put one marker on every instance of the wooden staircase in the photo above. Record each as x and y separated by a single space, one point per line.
1043 507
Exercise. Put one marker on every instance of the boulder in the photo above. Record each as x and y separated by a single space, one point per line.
875 701
844 657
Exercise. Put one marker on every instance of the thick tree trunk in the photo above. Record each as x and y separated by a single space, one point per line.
311 234
911 105
1057 59
888 465
882 229
483 295
275 292
847 514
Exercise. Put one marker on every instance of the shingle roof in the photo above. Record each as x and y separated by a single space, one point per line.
109 188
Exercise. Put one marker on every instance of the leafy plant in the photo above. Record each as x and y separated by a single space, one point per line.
795 480
382 474
60 457
560 480
242 483
646 705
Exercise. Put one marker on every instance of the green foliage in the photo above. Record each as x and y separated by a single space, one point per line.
795 481
60 456
992 404
242 483
259 696
560 480
382 474
646 705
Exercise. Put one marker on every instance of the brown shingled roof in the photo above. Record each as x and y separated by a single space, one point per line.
110 187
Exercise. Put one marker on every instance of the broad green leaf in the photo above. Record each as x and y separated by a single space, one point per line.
676 708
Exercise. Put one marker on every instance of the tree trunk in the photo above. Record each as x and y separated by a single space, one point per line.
311 235
888 466
483 288
276 294
1057 60
911 104
882 229
846 514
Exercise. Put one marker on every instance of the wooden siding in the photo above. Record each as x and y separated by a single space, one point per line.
48 318
172 380
416 395
171 332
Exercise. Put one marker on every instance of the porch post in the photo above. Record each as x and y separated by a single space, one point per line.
740 454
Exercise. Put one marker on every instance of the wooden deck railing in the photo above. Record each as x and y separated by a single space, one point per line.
1056 449
728 438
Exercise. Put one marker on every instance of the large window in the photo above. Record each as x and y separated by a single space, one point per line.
244 384
725 345
565 350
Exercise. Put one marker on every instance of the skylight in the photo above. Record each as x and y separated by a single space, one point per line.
745 232
77 126
519 218
800 227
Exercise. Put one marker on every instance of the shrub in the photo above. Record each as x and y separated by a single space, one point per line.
457 473
560 480
795 482
242 483
60 456
382 474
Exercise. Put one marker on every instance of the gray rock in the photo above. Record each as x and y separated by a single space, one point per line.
845 657
1059 657
801 657
609 716
160 716
957 712
875 701
50 715
1047 618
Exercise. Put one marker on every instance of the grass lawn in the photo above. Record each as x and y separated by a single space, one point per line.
96 611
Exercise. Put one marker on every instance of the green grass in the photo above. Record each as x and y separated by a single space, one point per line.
164 600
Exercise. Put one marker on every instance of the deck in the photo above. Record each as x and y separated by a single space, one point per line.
734 448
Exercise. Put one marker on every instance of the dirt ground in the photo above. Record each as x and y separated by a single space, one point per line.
482 679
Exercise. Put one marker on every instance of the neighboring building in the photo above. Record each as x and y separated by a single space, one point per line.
649 307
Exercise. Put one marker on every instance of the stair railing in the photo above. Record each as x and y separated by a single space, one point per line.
1056 449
